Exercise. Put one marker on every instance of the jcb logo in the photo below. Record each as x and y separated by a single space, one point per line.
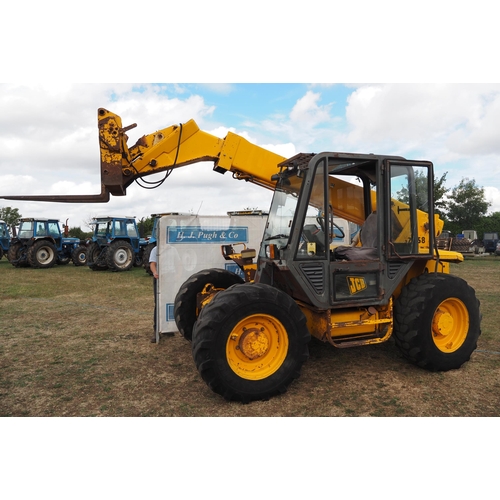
356 284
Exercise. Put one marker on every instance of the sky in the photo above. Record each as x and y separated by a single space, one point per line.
49 137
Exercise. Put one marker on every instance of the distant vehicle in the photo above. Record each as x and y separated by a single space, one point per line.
490 241
4 239
116 244
466 243
497 250
40 244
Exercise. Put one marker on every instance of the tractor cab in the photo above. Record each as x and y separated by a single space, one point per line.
390 198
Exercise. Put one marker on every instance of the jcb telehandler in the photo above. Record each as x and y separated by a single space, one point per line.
250 340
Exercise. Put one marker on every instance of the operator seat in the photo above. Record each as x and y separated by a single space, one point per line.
368 237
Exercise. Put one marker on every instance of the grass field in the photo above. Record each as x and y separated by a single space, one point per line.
76 343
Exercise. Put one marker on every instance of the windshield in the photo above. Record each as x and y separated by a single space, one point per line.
102 229
26 229
280 218
281 214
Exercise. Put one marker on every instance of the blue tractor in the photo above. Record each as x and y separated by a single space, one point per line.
40 244
116 244
4 239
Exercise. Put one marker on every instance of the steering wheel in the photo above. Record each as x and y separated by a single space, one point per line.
321 222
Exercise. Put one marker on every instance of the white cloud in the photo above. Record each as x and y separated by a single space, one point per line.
437 119
304 126
220 88
19 184
49 139
71 188
492 194
286 150
452 125
307 113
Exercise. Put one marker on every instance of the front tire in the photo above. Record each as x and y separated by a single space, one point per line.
185 303
250 342
120 256
79 256
42 254
437 322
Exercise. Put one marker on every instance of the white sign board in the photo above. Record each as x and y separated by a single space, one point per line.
188 244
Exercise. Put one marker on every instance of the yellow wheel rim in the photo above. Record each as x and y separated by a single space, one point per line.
257 347
450 325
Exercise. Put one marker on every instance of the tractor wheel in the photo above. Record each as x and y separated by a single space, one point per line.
250 342
17 255
1 253
96 257
437 322
145 257
185 303
138 259
42 254
120 256
79 256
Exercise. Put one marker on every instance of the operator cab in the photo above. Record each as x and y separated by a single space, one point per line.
388 197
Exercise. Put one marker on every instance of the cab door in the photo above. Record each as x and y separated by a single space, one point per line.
410 210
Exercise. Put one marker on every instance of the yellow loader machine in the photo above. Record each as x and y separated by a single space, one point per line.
250 340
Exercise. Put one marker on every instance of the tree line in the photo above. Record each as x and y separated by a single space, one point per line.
464 207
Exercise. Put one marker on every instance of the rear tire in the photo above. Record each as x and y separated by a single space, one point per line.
96 257
185 304
79 256
42 254
250 342
17 255
437 322
120 256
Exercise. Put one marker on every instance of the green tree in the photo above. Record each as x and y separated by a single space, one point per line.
145 226
77 232
10 215
488 224
467 205
440 191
